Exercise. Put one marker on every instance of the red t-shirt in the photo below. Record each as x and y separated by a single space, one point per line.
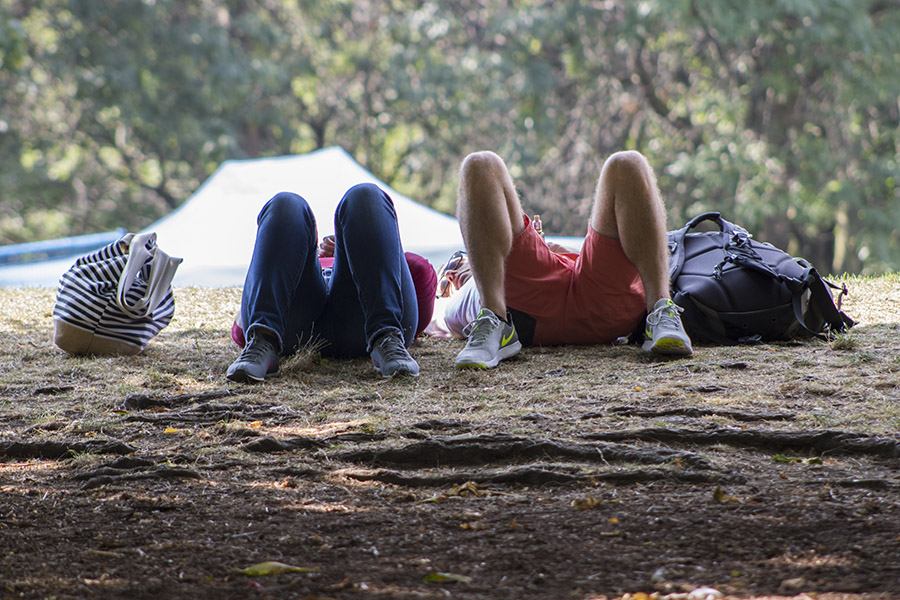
587 298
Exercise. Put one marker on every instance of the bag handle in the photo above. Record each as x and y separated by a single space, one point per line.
143 248
676 239
716 217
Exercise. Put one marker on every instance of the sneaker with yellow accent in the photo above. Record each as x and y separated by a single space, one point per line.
665 333
491 340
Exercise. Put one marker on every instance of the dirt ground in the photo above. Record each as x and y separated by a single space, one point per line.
766 471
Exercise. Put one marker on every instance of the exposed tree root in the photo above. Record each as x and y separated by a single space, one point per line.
270 444
106 475
703 366
209 412
57 450
304 473
537 476
478 450
820 442
52 390
143 401
866 484
440 424
690 411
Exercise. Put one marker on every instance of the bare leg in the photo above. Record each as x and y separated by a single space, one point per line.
627 207
490 215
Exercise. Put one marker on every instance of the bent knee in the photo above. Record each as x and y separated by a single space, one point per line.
362 200
365 191
285 206
482 164
627 163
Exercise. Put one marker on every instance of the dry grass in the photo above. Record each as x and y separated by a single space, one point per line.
557 384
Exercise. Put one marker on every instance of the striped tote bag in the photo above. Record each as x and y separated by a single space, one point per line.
115 300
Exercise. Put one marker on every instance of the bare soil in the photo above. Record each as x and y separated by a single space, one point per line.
766 471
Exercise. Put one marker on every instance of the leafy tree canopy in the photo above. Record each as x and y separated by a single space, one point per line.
783 115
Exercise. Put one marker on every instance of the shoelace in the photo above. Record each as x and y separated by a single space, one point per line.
256 350
668 314
392 351
471 330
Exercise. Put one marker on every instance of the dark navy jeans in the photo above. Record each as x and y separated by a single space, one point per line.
369 291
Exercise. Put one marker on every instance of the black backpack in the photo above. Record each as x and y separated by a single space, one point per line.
734 289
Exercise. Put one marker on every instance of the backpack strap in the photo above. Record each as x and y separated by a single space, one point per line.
703 321
821 300
738 250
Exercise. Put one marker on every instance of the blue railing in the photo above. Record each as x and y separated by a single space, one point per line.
13 254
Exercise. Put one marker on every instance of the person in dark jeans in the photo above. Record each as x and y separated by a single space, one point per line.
367 304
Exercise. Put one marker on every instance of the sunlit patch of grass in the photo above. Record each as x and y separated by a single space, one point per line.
308 358
862 357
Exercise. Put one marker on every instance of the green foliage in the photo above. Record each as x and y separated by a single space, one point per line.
783 115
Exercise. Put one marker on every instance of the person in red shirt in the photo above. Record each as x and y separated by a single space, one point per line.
594 296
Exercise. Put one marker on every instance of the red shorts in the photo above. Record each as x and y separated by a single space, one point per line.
589 298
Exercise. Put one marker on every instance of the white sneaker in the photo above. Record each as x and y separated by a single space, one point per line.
664 333
490 341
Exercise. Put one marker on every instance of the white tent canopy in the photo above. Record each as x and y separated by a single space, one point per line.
214 230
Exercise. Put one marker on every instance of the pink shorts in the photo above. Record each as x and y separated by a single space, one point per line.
588 298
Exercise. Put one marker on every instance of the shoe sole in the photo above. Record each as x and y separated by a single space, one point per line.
669 347
242 376
502 354
399 373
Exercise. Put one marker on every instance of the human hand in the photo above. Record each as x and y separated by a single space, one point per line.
326 248
560 249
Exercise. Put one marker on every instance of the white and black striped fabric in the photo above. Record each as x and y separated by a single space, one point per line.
87 297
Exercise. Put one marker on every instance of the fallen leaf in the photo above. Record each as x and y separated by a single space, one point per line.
273 567
786 459
469 487
720 496
586 503
464 489
446 578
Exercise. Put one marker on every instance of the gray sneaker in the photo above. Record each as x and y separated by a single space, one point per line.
258 359
664 333
490 341
390 357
